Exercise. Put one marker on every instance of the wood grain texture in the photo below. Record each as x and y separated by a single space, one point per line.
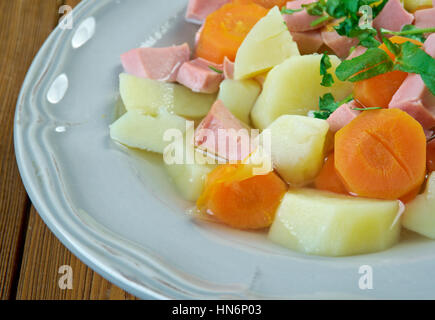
30 255
39 276
24 25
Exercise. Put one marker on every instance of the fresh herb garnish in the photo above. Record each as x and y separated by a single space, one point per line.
416 36
327 105
371 63
216 70
413 59
284 10
410 31
325 64
320 20
315 8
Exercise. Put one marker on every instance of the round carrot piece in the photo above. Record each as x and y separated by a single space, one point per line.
225 29
244 202
381 154
378 91
328 178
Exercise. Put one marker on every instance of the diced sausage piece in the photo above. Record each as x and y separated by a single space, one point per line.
228 69
343 116
160 64
308 41
414 98
222 134
341 45
199 76
393 17
429 45
300 21
198 10
198 35
425 18
359 50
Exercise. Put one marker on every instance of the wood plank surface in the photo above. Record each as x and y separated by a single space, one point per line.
30 255
43 256
24 25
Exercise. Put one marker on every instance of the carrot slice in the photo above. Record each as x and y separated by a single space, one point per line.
378 91
328 178
264 3
407 198
398 40
381 154
239 201
225 29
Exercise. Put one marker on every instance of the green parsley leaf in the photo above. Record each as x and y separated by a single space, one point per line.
284 10
320 20
410 31
373 62
216 70
392 47
315 8
325 64
419 36
366 37
413 59
327 105
337 8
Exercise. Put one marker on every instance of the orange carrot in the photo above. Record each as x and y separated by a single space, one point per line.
410 196
328 179
398 40
264 3
239 201
225 29
378 91
381 154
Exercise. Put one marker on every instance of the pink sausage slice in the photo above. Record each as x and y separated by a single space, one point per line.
300 21
308 41
343 116
425 18
341 45
393 17
199 77
198 10
414 97
160 64
228 69
222 134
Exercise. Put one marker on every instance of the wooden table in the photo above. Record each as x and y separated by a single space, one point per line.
30 255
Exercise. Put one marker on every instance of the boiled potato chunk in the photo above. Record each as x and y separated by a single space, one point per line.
138 130
239 97
297 147
267 44
149 96
293 87
413 5
419 214
328 224
189 178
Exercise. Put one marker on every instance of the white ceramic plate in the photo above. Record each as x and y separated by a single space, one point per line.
117 210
